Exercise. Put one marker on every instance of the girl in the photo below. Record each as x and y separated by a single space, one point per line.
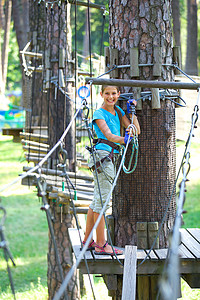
106 121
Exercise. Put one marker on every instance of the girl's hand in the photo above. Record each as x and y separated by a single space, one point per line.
129 131
131 106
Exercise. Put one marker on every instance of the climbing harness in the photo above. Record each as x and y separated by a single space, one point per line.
7 253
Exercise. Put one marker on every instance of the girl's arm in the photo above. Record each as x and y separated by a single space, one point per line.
106 131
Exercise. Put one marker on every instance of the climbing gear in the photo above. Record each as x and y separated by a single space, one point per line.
103 252
109 156
91 245
134 152
126 138
120 119
131 107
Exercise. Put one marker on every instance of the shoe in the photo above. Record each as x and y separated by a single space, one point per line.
91 246
103 252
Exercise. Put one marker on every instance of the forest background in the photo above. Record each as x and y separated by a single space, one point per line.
183 22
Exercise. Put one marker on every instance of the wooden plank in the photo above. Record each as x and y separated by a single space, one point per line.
34 137
129 278
57 172
183 252
161 253
152 254
195 232
35 149
189 242
12 131
32 143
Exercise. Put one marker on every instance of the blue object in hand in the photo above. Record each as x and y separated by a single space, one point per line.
130 107
127 137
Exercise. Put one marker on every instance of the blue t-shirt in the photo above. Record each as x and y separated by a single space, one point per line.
113 123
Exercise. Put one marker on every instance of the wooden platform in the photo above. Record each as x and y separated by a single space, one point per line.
189 253
15 132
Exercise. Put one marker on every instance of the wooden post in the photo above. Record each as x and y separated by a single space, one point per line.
155 100
142 242
134 70
157 54
114 62
107 58
129 278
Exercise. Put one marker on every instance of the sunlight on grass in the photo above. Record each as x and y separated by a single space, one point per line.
33 292
188 293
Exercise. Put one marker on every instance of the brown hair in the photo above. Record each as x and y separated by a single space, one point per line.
105 86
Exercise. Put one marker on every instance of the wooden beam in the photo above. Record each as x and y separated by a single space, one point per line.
129 276
144 83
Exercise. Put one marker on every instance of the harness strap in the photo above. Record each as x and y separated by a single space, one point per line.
98 163
104 141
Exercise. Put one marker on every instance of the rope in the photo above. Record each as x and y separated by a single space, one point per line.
42 187
74 267
62 165
98 184
39 165
169 287
134 151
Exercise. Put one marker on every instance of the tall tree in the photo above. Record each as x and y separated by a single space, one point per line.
141 32
58 70
191 65
5 31
176 22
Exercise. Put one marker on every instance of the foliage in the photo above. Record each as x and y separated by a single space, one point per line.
14 69
96 21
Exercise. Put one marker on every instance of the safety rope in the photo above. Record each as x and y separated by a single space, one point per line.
42 185
96 173
62 154
43 160
80 257
169 287
134 151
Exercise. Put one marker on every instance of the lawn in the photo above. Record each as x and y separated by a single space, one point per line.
27 231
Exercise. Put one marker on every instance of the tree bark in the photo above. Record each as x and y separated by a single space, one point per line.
61 109
4 54
58 46
20 11
176 22
143 195
191 65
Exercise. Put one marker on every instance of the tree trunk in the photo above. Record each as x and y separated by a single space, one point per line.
176 22
62 222
144 27
36 98
61 110
4 54
21 23
191 66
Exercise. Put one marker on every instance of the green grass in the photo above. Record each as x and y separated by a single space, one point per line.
26 228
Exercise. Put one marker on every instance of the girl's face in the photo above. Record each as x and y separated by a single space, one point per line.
110 95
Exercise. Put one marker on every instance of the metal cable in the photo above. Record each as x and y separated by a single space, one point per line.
74 267
39 165
169 287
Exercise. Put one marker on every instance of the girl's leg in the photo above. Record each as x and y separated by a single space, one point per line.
89 223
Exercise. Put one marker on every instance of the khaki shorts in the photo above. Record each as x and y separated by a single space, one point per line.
106 175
